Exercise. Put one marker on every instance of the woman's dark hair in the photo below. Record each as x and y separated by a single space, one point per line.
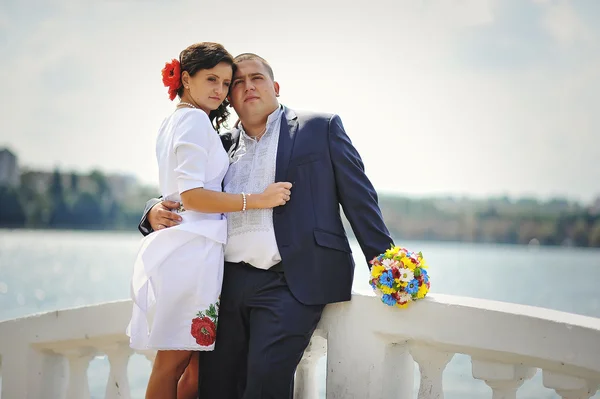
206 55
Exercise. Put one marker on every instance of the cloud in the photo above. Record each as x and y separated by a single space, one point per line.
480 96
460 13
4 21
563 23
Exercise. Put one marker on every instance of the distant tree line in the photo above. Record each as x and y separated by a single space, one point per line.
501 220
65 202
61 206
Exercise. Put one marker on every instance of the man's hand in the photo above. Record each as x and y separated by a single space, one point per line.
160 216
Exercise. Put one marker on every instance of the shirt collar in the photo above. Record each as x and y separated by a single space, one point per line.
271 119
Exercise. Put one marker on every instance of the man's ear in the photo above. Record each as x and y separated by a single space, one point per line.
276 87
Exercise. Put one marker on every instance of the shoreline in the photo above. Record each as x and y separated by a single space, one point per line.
351 237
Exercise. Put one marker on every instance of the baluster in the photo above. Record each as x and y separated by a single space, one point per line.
367 366
79 360
118 382
432 364
569 387
31 373
504 379
150 355
306 384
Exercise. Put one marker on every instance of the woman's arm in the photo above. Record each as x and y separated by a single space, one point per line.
193 140
208 201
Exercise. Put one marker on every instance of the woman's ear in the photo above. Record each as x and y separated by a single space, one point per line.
185 79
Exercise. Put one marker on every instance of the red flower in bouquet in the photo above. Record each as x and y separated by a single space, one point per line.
204 330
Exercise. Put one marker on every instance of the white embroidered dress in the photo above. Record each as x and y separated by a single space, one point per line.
178 271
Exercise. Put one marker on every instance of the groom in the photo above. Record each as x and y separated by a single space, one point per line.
282 266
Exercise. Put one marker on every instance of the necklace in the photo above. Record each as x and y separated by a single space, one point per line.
257 137
188 104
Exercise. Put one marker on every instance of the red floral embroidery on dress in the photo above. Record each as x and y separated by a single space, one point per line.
204 325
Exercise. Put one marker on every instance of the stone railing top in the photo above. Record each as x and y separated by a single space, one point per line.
488 330
499 331
78 326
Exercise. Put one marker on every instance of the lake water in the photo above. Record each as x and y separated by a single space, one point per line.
49 270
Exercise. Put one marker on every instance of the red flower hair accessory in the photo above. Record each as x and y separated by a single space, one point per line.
171 77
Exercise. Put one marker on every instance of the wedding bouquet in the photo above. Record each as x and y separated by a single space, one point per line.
399 276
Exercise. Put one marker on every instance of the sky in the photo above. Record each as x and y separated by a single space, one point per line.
440 97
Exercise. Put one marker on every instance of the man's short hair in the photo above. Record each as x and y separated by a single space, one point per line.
252 56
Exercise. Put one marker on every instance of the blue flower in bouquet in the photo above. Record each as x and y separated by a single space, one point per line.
387 278
388 300
423 271
412 287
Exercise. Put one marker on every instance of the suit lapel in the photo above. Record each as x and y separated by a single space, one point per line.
287 136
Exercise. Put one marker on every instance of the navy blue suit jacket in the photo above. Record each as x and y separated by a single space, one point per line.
326 171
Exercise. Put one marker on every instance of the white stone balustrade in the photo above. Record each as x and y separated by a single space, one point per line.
569 387
371 349
504 379
117 386
78 361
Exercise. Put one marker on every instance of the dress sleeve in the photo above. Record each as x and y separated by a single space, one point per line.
191 143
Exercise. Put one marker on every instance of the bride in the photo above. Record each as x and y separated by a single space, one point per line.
178 271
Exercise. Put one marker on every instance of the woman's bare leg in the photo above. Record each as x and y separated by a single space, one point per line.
188 383
166 372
